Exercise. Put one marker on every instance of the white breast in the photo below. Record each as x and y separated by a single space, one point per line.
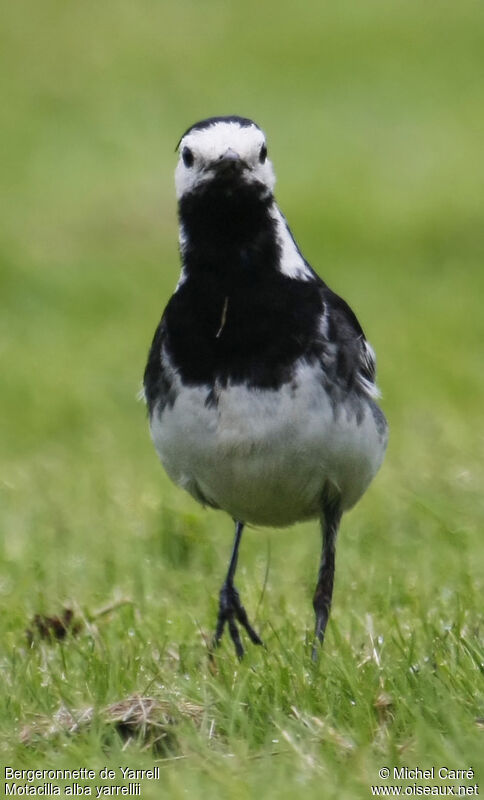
264 456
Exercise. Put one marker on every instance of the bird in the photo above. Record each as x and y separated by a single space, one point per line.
260 383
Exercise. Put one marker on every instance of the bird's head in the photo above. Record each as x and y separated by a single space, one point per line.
223 153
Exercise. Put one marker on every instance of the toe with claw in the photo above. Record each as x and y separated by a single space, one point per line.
231 611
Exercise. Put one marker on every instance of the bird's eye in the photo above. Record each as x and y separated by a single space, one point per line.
263 154
188 157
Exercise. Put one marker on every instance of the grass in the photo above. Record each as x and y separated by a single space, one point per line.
374 115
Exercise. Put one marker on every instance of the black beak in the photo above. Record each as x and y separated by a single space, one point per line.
229 162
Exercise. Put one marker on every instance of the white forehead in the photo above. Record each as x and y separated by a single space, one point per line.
210 142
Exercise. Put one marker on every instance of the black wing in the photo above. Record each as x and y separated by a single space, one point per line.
351 357
158 378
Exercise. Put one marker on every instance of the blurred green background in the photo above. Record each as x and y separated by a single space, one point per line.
374 113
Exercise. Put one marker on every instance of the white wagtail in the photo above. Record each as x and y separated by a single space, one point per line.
260 383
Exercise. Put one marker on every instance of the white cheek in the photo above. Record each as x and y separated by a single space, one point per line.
264 173
185 178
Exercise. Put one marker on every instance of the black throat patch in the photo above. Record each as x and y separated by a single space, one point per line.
226 224
236 316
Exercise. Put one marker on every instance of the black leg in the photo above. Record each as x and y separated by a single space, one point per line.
330 519
231 609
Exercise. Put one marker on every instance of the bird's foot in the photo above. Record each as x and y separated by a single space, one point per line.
232 611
